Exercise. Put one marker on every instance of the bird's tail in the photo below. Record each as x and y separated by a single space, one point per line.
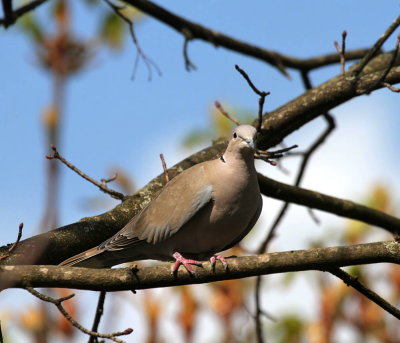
85 259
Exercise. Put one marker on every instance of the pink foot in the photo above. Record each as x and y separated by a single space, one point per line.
186 263
213 260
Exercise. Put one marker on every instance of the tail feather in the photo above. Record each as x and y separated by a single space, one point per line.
84 259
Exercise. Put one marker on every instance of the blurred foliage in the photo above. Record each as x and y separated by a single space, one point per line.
113 28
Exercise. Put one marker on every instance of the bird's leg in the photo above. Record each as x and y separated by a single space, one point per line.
213 260
186 263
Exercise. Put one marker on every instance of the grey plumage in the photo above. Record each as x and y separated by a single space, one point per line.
206 209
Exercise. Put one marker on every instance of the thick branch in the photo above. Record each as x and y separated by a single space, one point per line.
191 30
281 122
326 203
122 279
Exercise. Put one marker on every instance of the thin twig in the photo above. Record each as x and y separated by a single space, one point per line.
58 304
261 94
226 114
110 179
393 89
389 66
10 19
341 51
374 50
140 53
306 157
97 317
251 84
352 281
268 155
101 185
164 165
343 54
21 226
392 60
188 63
257 317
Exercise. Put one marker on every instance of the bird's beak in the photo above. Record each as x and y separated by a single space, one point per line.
250 143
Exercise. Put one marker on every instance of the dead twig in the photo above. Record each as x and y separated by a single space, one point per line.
261 94
58 303
226 114
164 165
352 281
101 185
21 226
342 51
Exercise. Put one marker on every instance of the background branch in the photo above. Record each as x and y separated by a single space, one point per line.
97 317
197 31
60 307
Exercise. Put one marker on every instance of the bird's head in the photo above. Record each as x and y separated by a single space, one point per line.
243 140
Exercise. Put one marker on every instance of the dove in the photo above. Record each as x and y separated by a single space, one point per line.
205 210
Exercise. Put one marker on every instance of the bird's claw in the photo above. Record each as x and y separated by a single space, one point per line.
213 261
186 263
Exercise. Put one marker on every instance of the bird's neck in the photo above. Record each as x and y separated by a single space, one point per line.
239 159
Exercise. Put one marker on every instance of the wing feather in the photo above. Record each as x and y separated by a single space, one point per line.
175 205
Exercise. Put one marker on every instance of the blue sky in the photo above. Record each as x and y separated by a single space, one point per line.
110 120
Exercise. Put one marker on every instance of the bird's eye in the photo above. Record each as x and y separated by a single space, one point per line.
234 135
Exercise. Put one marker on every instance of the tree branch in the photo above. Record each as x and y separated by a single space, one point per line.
10 18
326 203
197 31
356 284
123 279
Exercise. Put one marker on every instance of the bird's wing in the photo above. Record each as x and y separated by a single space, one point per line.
175 205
